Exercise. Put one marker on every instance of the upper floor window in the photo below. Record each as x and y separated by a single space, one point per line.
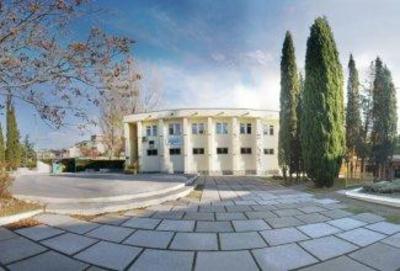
222 150
268 129
271 130
175 151
269 151
198 128
245 128
221 128
198 150
245 150
174 129
151 130
152 152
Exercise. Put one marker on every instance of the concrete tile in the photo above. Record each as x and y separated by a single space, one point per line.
341 263
250 225
69 243
67 223
346 223
311 209
142 223
225 260
318 229
238 208
283 236
379 256
169 215
214 226
48 261
263 207
176 225
110 233
195 241
212 208
312 218
139 213
326 201
361 237
230 216
153 239
287 212
18 248
110 219
393 240
151 260
244 240
39 232
199 216
6 234
283 222
384 227
260 214
109 255
327 247
283 257
368 217
337 213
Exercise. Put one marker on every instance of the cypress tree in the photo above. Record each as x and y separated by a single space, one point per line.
322 137
288 103
353 114
384 118
13 147
2 147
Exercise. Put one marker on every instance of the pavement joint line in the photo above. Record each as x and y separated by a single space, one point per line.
255 260
135 259
83 249
28 257
194 261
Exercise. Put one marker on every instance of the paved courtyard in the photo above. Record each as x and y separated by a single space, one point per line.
239 224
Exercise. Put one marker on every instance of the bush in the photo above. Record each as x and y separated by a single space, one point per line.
383 187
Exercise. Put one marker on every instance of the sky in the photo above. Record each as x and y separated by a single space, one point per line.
226 53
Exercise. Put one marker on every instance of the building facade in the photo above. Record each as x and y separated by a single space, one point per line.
206 141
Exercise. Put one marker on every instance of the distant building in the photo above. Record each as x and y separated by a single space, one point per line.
50 154
93 148
206 141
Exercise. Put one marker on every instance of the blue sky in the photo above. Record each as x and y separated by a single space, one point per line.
227 53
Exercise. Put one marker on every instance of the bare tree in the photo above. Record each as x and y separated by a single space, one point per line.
41 67
127 90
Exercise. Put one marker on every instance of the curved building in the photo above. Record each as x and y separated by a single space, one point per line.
208 141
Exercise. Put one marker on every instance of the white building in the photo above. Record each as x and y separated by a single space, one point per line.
207 141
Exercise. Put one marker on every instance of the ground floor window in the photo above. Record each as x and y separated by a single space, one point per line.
245 150
175 151
222 150
152 152
198 150
269 151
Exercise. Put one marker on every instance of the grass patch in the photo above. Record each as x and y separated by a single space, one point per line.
87 218
11 206
197 193
357 210
24 223
393 218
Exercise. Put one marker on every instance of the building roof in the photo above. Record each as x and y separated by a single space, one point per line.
202 112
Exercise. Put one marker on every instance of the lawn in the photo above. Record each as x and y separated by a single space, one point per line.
11 206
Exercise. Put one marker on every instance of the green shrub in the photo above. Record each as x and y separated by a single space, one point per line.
383 187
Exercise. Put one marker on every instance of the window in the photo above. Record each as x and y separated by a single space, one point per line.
198 128
198 150
265 129
151 130
222 150
174 129
175 151
152 152
271 130
245 150
269 151
222 128
245 128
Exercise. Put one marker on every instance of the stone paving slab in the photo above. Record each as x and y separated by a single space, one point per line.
230 216
327 247
6 234
384 227
312 218
152 239
195 241
67 223
361 237
283 257
368 217
346 223
260 214
111 219
250 225
283 236
337 213
176 225
312 209
380 256
69 243
142 223
199 216
283 222
238 241
225 260
49 261
169 215
110 233
39 232
393 240
341 263
18 248
109 255
214 226
318 229
151 260
287 212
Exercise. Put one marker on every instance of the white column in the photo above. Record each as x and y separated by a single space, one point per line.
128 144
140 145
258 146
235 148
187 147
210 145
165 165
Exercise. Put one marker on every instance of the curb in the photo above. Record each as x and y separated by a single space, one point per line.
17 217
356 194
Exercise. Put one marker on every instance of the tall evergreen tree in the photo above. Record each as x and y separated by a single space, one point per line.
13 147
2 147
288 103
323 137
384 116
353 115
